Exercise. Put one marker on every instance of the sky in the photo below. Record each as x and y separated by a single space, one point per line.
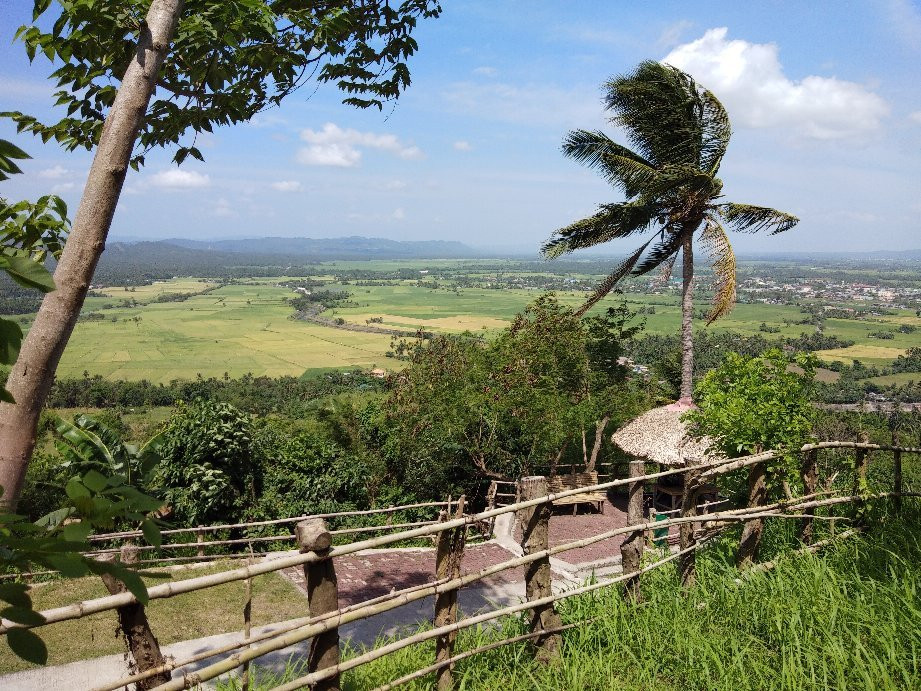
823 96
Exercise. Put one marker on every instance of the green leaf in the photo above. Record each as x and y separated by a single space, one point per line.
28 646
6 396
22 615
10 341
95 481
70 565
77 532
54 518
134 584
75 489
27 273
151 533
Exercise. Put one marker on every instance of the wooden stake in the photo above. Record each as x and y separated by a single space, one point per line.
687 563
200 538
860 485
897 480
245 681
810 475
631 549
448 555
535 526
132 618
322 596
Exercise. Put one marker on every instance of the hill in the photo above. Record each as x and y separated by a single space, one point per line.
344 248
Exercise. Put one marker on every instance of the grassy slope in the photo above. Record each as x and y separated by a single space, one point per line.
844 619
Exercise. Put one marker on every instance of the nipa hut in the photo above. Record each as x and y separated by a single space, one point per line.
660 436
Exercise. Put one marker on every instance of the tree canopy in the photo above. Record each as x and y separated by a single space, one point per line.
465 411
228 60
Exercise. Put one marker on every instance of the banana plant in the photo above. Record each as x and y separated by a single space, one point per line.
89 444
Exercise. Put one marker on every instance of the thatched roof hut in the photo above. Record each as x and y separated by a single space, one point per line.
660 436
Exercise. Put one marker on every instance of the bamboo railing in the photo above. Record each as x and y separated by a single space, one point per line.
318 558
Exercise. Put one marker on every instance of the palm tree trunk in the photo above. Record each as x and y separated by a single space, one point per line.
687 320
31 377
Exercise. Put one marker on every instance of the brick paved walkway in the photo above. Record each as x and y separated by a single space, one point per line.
377 572
370 574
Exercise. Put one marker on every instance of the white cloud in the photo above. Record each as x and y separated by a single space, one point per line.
335 146
286 186
749 79
62 187
398 214
53 173
462 146
176 178
915 117
485 71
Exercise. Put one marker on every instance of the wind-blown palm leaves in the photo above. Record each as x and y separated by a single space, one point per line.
679 132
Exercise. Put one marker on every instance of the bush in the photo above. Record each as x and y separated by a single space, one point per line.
303 472
207 474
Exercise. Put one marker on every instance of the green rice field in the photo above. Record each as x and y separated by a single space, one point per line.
247 327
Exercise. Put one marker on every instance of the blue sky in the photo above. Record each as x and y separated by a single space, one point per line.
823 96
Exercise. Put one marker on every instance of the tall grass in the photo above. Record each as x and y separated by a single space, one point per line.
847 618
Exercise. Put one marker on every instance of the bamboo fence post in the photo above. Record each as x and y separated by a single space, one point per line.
651 532
897 480
535 527
810 475
687 563
751 531
631 549
322 597
245 681
132 619
860 484
200 537
491 504
448 557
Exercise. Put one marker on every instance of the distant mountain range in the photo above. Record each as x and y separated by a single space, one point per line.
354 247
358 247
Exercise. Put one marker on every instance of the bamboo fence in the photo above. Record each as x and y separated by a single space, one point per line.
318 558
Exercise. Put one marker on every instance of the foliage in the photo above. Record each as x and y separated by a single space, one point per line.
680 132
29 233
749 405
228 61
306 472
607 337
257 395
90 444
909 362
207 471
465 411
94 502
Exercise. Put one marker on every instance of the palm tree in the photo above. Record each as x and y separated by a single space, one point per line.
679 132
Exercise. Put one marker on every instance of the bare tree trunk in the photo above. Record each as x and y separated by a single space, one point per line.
132 619
751 531
687 320
32 375
631 550
599 438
